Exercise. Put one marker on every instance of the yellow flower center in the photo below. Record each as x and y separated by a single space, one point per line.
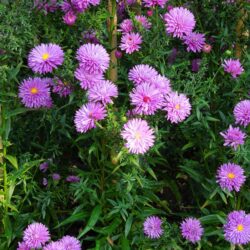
231 176
177 106
137 136
34 91
45 56
240 227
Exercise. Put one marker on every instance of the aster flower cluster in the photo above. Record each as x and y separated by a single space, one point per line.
36 92
37 236
191 228
234 136
93 62
131 39
153 92
72 8
180 23
154 3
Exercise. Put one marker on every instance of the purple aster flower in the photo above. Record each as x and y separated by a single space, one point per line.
23 246
103 92
34 92
233 67
231 177
93 58
61 88
70 18
80 5
70 243
237 227
162 84
196 63
194 41
138 135
57 245
177 106
179 21
73 178
36 235
154 3
56 176
143 21
87 115
44 166
191 229
126 26
146 98
86 79
242 113
142 73
45 57
152 227
233 137
130 42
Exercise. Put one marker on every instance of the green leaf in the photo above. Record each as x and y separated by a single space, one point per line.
74 217
125 244
92 220
12 159
128 225
16 112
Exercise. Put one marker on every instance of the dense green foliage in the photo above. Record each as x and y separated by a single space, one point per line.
117 191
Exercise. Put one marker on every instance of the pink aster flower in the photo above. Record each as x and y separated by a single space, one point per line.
152 227
179 21
237 228
86 79
34 92
177 106
162 84
142 73
87 115
146 98
233 137
94 2
23 246
57 245
154 3
126 26
233 67
138 135
130 42
242 113
194 41
36 235
103 92
230 176
191 230
70 243
93 58
70 18
143 21
45 57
